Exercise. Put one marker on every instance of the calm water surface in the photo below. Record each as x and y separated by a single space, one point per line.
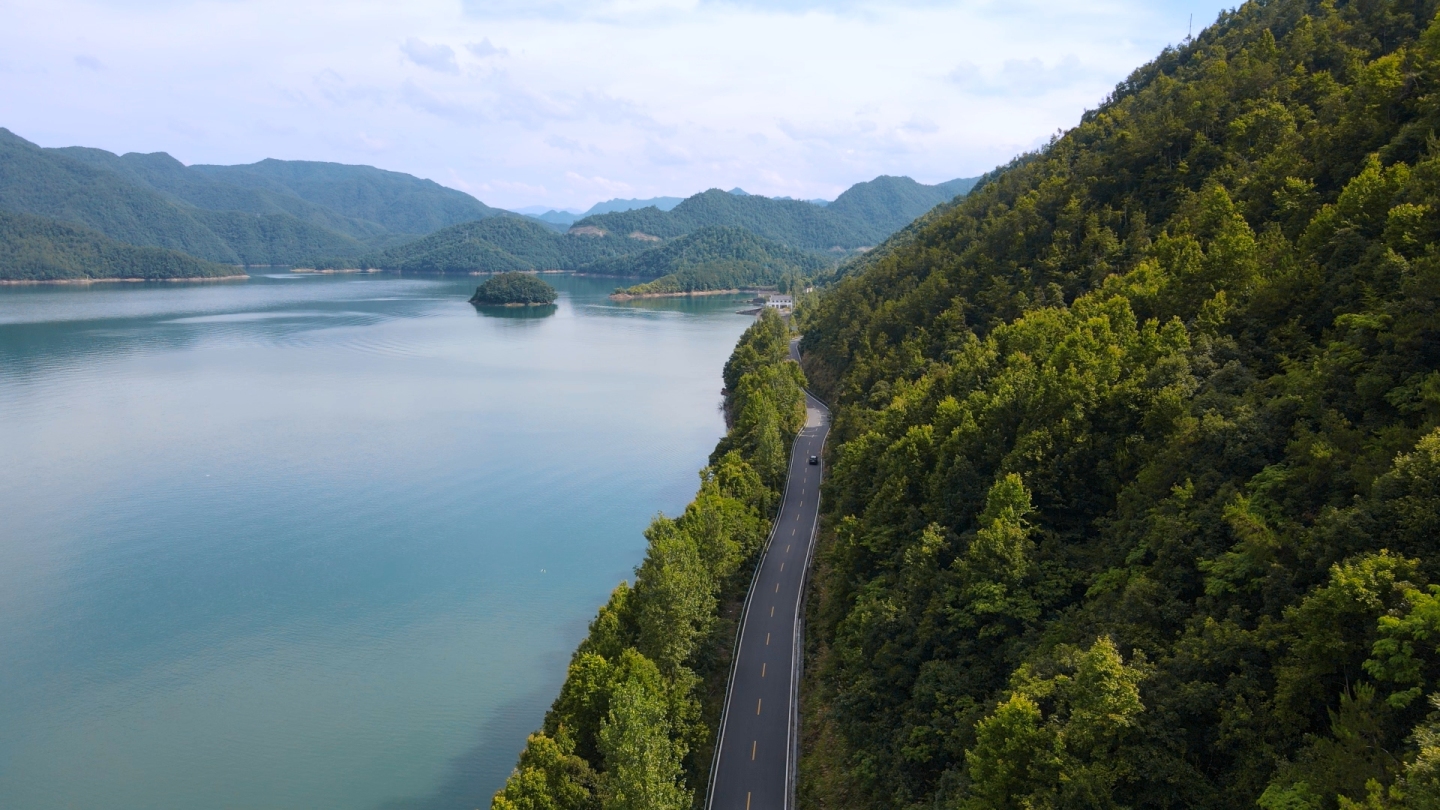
320 542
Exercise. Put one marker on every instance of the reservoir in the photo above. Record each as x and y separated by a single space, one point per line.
321 541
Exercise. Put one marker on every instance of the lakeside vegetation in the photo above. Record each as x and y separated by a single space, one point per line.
1135 481
634 722
509 289
37 249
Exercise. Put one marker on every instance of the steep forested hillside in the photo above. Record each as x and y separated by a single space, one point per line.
1135 496
37 249
633 724
712 259
400 202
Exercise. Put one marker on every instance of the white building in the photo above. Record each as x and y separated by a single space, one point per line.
780 302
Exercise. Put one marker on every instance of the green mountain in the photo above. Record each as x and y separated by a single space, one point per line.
790 222
886 204
863 216
495 245
56 185
712 259
400 203
169 176
1135 485
38 249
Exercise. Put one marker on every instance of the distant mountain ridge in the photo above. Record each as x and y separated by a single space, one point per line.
278 212
269 213
863 216
399 202
639 242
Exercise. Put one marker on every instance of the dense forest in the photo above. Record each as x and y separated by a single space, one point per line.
1135 485
509 289
632 725
37 249
712 259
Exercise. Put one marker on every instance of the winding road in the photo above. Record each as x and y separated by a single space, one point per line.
755 760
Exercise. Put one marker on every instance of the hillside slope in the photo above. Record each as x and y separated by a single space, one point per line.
399 202
38 249
496 245
863 216
167 175
54 184
711 259
886 204
1135 492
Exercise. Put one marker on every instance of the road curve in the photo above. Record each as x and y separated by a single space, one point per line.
754 767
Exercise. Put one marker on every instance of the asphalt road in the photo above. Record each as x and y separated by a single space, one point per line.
755 760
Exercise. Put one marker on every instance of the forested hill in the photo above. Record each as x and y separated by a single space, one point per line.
712 259
495 245
271 212
864 215
37 249
1135 485
53 184
167 175
401 203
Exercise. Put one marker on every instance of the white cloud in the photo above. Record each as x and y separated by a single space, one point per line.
483 48
587 98
439 57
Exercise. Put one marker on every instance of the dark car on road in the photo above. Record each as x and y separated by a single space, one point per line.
814 459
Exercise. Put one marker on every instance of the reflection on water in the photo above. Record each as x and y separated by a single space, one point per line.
320 541
516 313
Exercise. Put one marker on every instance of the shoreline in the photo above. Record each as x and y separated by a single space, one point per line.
186 280
633 296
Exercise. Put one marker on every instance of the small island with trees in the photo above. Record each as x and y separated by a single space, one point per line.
513 290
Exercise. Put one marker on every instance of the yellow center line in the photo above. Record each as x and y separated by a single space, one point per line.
762 669
772 610
757 705
747 800
767 639
753 743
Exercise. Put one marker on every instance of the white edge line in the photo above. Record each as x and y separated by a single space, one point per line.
744 619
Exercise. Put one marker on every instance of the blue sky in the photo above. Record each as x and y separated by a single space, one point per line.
567 102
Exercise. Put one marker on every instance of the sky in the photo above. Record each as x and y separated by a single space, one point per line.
564 103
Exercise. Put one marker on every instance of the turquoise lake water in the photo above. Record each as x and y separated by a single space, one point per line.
325 541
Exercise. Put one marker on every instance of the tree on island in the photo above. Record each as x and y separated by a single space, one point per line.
514 289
